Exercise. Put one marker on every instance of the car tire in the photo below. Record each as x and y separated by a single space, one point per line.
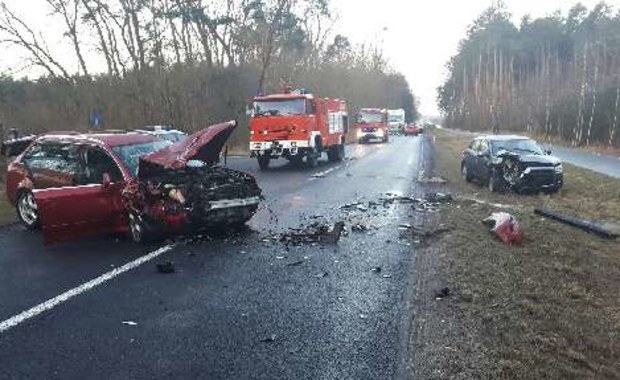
495 183
465 173
27 212
336 153
140 231
263 162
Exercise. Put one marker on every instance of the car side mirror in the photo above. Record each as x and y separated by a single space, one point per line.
106 180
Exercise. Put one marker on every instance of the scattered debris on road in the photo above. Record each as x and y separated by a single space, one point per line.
376 269
586 225
438 197
296 263
505 226
315 233
165 268
443 293
270 339
422 178
130 323
322 275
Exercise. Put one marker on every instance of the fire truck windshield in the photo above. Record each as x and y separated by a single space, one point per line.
370 117
280 107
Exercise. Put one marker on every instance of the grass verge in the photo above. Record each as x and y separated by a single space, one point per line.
549 308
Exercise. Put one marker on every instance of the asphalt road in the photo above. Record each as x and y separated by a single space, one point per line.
605 164
241 307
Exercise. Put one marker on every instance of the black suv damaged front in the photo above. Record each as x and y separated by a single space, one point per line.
513 162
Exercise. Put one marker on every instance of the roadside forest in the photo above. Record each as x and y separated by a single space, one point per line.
557 76
185 63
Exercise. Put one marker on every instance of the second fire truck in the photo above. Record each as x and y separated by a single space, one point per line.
297 126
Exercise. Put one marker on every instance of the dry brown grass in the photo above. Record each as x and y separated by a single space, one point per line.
549 308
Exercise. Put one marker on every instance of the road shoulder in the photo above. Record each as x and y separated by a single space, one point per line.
539 310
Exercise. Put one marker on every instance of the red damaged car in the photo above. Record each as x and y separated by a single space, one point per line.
73 185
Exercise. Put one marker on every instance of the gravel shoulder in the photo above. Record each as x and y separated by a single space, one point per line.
545 309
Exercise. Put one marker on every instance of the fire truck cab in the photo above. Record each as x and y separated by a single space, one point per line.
296 125
371 124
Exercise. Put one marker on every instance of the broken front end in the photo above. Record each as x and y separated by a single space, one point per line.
182 189
528 173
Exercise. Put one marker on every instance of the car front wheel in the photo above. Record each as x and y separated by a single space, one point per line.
465 173
27 211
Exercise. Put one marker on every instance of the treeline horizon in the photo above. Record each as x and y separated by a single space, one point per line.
557 76
186 63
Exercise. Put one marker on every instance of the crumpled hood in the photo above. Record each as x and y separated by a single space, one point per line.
537 159
204 145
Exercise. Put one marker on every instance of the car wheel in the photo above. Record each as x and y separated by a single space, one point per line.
465 173
27 211
139 229
263 162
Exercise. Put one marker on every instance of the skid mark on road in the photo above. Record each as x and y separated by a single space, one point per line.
53 302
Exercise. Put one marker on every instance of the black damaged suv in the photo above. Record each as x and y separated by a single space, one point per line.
512 163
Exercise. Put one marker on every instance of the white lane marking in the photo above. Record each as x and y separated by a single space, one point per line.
53 302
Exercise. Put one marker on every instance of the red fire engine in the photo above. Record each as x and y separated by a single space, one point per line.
372 124
296 125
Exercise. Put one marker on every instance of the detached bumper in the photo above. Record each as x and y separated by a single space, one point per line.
278 148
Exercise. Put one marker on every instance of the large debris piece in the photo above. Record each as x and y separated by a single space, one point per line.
586 225
315 233
505 226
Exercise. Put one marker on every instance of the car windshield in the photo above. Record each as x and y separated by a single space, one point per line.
517 146
130 154
370 117
280 107
172 136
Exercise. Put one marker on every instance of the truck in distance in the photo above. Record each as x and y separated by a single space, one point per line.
371 124
396 120
296 125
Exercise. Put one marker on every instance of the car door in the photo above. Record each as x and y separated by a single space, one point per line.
483 156
92 207
471 158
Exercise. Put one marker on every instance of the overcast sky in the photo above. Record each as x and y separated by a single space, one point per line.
422 35
419 36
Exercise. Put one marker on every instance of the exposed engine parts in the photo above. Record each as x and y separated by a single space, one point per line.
194 198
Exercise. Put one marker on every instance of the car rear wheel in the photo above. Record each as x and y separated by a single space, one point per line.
27 211
465 173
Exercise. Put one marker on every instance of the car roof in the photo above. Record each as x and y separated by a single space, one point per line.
109 139
503 137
